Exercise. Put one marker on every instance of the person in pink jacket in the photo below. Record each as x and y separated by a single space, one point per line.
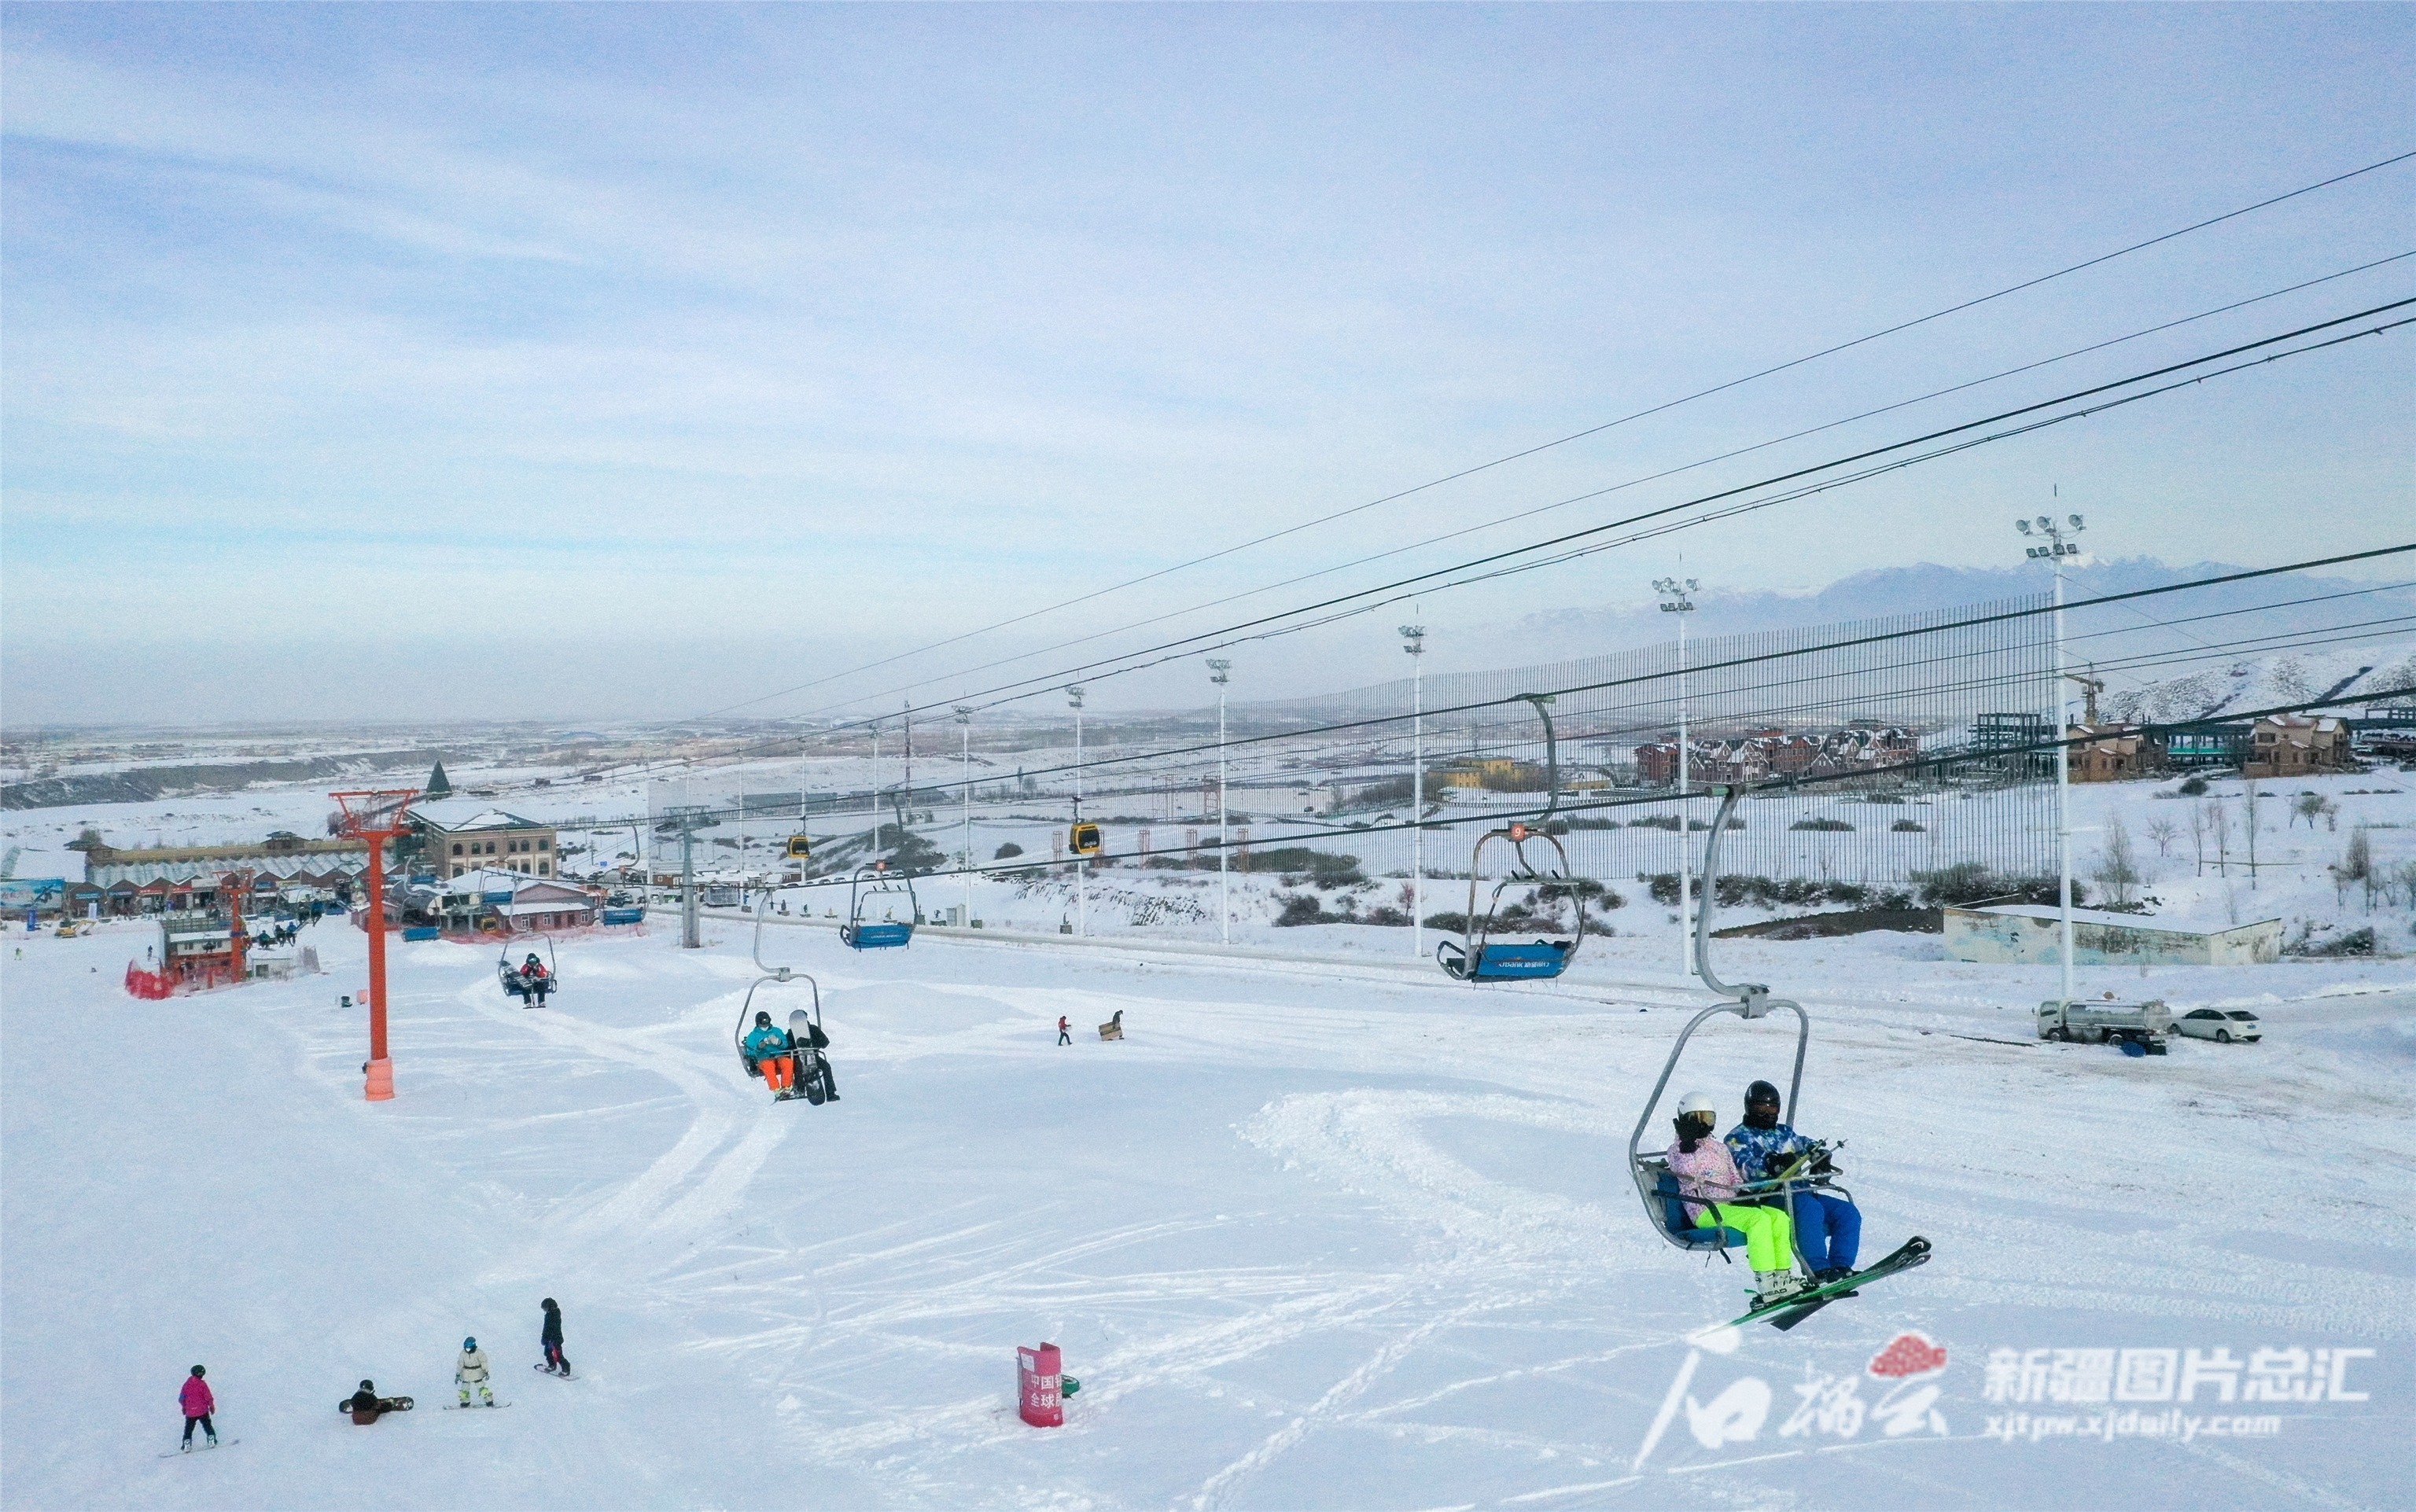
195 1399
1705 1169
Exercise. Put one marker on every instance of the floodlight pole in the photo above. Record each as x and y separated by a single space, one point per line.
965 720
1414 642
872 841
1675 600
1220 671
2059 550
1081 864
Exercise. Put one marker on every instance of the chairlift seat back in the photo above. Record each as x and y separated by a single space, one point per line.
1502 960
880 937
1682 1228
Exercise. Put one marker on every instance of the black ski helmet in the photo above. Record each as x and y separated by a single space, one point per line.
1762 1106
369 1385
763 1017
550 1304
198 1371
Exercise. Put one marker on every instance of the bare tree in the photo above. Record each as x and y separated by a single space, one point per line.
2118 867
2357 865
2162 832
2198 834
2220 819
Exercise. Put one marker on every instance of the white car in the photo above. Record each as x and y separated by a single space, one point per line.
2222 1025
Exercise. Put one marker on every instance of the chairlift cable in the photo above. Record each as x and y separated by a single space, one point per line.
1662 408
1501 563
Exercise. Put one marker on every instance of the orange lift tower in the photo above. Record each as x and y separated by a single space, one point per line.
376 817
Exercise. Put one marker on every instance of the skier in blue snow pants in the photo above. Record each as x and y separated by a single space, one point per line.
1828 1229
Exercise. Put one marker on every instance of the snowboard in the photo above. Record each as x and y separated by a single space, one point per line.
561 1376
1789 1311
219 1444
475 1406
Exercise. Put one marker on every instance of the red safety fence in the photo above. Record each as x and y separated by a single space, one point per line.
148 984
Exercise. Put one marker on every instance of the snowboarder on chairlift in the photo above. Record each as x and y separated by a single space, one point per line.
1705 1169
551 1337
1828 1229
768 1047
195 1399
470 1371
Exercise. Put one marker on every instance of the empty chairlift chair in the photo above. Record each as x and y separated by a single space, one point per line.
873 899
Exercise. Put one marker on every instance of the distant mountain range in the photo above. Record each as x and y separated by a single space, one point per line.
1885 591
2178 655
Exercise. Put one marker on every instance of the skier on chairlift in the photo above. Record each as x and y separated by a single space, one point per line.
768 1046
538 980
1706 1170
1828 1228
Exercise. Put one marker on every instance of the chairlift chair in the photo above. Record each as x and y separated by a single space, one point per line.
866 889
807 1041
517 983
1665 1209
1477 955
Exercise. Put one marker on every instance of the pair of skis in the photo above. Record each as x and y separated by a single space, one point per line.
1786 1312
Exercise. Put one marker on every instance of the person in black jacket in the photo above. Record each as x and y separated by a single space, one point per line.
551 1338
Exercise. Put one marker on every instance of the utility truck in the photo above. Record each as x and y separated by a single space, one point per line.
2099 1020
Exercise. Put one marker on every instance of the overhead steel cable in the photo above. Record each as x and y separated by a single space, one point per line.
1704 668
1557 504
1426 582
1774 785
1365 600
1609 425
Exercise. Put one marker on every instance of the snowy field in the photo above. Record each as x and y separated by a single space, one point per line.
1316 1235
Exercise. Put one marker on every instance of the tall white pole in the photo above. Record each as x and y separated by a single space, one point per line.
2058 549
1415 635
1676 598
1219 671
1081 863
1224 895
2063 778
1685 850
872 842
965 717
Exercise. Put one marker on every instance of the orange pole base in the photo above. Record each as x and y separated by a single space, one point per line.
381 1088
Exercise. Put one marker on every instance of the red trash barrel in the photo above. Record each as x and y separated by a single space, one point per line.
1038 1373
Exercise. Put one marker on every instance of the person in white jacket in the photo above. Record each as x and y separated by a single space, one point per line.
471 1370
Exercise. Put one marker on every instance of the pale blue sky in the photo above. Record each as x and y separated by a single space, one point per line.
688 351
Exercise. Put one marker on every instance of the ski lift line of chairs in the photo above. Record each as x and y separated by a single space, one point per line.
874 887
519 981
1655 1185
1477 955
807 1041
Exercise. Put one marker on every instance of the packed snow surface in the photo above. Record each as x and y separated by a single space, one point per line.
1313 1234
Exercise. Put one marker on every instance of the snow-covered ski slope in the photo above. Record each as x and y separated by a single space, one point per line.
1311 1236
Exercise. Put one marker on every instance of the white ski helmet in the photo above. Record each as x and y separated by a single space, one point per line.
1696 1102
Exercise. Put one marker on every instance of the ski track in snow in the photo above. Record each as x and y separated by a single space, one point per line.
1372 1222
